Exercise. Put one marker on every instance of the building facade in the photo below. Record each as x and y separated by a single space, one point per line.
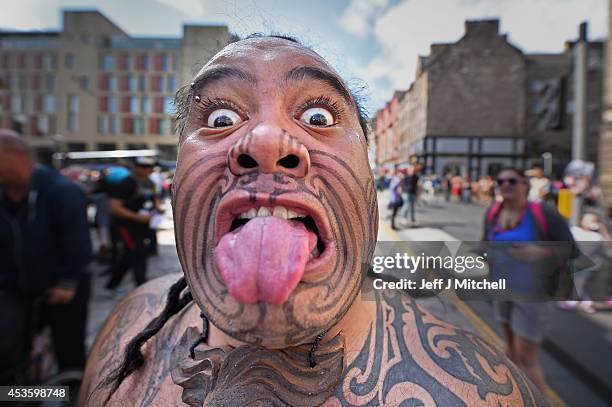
606 128
91 86
481 104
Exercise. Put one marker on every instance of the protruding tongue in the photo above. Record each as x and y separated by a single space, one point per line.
265 259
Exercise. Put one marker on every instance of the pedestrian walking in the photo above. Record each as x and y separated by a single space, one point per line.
515 219
410 186
132 203
45 248
396 201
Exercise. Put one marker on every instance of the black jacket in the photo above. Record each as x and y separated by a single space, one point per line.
46 243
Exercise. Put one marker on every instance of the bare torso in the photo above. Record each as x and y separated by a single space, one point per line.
408 354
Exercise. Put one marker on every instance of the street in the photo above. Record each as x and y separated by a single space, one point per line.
576 348
575 352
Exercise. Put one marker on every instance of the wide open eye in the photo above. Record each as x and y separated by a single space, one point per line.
317 116
223 118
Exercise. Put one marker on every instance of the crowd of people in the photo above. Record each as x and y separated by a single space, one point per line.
522 210
46 222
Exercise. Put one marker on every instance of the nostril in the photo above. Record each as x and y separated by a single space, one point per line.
246 161
290 161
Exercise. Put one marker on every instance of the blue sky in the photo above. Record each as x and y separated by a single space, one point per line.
372 43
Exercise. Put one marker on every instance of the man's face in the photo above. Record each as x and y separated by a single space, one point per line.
274 205
15 168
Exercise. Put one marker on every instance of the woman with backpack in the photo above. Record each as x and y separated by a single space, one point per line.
515 219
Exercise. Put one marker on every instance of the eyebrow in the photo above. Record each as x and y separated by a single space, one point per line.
217 73
310 72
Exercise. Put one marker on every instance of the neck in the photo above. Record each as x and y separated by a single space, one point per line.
515 204
353 328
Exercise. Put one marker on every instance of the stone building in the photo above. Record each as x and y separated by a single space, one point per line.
91 86
480 104
606 128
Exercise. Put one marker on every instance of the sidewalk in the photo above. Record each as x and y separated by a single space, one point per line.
576 351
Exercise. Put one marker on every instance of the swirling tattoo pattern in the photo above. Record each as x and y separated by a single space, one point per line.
315 305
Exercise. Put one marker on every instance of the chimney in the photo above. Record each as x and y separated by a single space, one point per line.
482 27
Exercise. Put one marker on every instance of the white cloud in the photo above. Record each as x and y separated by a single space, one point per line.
407 30
192 8
29 15
358 15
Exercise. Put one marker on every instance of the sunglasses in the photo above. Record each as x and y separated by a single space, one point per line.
510 181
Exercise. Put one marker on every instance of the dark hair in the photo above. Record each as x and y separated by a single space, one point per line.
520 172
133 358
184 94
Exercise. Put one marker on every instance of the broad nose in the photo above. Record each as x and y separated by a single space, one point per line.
270 149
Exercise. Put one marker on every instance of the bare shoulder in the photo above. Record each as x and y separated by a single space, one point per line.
413 355
128 319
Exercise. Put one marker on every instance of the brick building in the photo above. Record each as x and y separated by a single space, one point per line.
387 132
96 86
480 103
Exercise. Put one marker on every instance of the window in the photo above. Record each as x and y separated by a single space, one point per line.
138 125
29 104
84 82
142 83
50 83
49 104
497 146
156 83
132 83
103 82
114 125
48 62
125 104
15 81
153 126
158 105
103 104
106 146
16 106
69 60
112 83
146 104
165 62
73 112
103 124
127 125
112 104
106 62
123 83
134 105
122 62
171 84
142 62
43 124
73 104
452 145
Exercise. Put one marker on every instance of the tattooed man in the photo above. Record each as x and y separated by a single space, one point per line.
275 215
